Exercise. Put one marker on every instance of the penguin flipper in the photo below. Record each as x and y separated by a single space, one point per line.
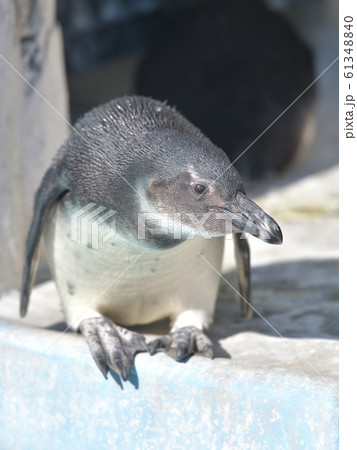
50 191
112 346
182 343
242 256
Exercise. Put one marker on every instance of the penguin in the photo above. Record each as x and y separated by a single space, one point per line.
133 212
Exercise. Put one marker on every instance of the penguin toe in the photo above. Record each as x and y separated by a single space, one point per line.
112 346
183 343
203 344
161 344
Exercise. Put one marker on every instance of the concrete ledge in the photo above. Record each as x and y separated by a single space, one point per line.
60 399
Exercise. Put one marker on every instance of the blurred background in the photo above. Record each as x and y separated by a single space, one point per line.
244 72
232 67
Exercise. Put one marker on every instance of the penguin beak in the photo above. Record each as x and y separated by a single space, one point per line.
247 216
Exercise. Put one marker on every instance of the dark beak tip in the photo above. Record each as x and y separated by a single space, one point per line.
277 238
278 241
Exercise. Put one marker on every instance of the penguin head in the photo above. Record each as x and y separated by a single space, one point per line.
165 179
195 191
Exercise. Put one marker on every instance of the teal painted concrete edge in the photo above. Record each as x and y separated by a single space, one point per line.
62 401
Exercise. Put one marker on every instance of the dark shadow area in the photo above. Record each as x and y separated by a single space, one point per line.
133 378
160 327
298 298
116 378
97 30
219 351
60 326
232 79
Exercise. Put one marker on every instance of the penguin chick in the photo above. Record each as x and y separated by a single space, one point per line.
133 212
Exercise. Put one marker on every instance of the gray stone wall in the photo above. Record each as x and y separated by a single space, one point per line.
30 129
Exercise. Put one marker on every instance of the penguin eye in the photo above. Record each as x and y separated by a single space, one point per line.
200 189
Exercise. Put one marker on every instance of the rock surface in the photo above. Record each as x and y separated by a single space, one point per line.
31 130
62 400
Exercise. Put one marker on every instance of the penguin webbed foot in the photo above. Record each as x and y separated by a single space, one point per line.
112 346
182 343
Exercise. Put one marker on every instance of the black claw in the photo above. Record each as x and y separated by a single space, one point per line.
101 363
162 343
127 365
103 368
95 347
116 363
112 346
153 347
181 353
